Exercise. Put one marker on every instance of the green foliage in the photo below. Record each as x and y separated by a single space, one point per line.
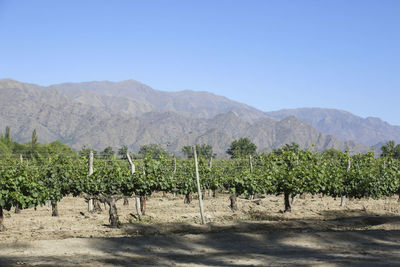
59 174
107 153
208 177
241 179
290 171
387 180
5 151
108 178
287 147
153 175
85 152
58 147
20 185
297 172
122 152
37 151
34 138
203 150
369 177
334 166
291 175
241 148
8 134
390 149
185 177
332 153
157 151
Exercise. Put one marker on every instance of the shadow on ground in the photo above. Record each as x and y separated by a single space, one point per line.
275 242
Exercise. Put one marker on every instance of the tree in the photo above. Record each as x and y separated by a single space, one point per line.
241 148
390 149
85 151
156 150
107 153
8 135
123 151
4 150
293 147
332 153
202 150
34 137
58 147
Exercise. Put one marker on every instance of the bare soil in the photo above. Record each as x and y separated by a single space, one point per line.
317 232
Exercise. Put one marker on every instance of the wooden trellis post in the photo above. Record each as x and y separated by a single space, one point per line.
90 201
203 220
343 198
138 211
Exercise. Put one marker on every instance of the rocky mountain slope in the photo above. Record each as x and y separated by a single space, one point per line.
100 114
134 98
369 131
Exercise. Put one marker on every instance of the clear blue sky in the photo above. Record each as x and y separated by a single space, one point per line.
268 54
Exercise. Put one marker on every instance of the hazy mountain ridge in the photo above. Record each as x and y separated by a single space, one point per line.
187 102
346 126
94 114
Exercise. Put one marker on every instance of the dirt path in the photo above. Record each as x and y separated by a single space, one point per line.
356 248
317 232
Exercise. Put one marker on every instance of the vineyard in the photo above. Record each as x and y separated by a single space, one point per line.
47 180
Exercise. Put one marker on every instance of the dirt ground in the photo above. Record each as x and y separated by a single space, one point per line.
317 232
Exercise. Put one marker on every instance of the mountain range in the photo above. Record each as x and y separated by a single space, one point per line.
101 114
